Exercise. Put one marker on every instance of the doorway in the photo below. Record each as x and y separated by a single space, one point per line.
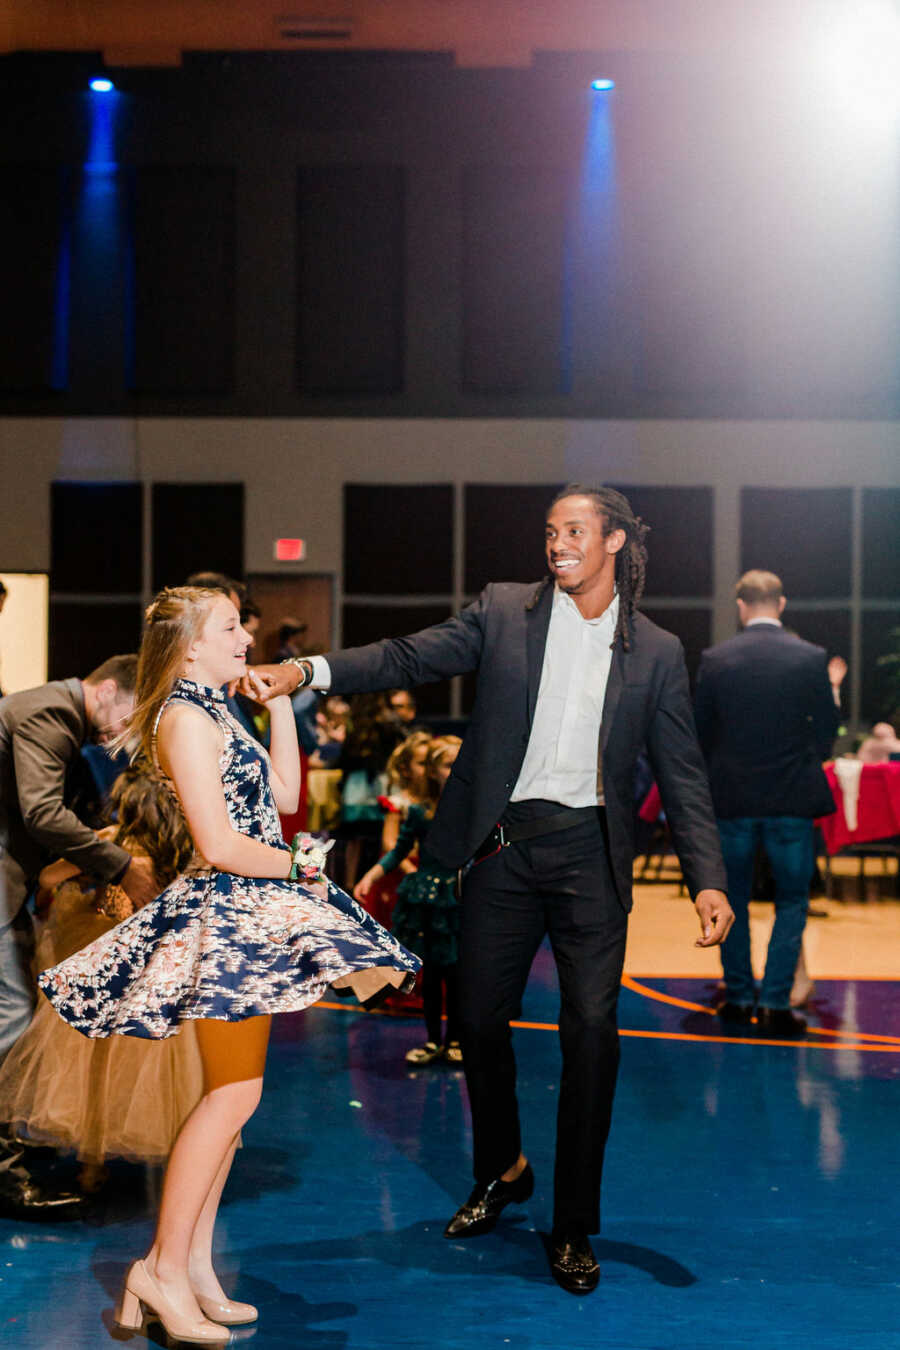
23 631
279 597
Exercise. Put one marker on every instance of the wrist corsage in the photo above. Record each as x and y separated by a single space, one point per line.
308 858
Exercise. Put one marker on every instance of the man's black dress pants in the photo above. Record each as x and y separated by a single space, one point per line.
558 884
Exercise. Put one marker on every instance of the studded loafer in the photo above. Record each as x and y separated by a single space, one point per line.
573 1264
484 1206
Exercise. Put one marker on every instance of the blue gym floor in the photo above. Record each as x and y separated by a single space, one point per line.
750 1196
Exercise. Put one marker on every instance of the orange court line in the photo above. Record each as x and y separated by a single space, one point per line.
890 1045
722 1040
713 977
628 982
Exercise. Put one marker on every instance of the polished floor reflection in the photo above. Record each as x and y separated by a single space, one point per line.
749 1201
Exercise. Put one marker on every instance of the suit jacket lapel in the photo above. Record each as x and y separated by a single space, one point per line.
613 693
537 622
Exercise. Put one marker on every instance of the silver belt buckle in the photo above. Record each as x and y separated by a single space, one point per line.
504 842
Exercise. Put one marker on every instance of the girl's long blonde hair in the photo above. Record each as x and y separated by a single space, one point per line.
171 623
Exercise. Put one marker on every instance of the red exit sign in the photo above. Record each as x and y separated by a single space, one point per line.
290 550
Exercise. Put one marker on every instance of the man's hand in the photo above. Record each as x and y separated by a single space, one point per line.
269 682
139 882
716 917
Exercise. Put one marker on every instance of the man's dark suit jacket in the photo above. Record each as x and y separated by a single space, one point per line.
41 733
502 636
766 719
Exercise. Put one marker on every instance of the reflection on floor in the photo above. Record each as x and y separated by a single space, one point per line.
749 1199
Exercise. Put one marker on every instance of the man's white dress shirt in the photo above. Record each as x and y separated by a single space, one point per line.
560 762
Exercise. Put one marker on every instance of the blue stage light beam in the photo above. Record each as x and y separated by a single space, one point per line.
593 251
101 151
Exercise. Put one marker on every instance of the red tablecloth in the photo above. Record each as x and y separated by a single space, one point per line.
652 806
878 807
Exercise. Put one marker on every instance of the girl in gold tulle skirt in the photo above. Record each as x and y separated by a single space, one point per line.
118 1097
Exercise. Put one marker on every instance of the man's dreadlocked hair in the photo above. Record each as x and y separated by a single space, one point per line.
631 559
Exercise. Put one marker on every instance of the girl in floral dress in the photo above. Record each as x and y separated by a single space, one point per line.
228 944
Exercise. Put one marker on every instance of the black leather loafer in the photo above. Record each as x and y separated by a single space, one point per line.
741 1013
483 1207
780 1023
21 1197
573 1264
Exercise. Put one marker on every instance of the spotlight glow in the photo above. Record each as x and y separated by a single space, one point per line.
859 58
102 86
602 86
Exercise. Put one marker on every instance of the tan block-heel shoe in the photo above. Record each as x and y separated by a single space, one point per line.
141 1291
226 1313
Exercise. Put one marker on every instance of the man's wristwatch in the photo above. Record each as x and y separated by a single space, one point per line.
305 668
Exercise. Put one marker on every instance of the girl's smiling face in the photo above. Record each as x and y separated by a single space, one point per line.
219 654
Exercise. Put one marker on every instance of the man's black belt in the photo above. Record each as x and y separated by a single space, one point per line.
502 835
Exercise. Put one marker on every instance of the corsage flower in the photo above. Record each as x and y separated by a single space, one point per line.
308 858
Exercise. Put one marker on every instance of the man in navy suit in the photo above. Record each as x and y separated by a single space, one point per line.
572 682
766 716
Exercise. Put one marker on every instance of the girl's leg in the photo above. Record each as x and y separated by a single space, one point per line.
233 1056
200 1264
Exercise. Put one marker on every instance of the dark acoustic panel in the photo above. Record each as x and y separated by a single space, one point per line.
692 626
183 224
514 248
803 534
96 538
880 696
371 623
398 539
350 279
82 636
680 542
828 628
881 543
197 527
504 532
33 277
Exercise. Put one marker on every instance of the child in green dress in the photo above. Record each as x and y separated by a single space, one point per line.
426 916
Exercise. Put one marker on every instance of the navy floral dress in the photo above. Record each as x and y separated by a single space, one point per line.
216 945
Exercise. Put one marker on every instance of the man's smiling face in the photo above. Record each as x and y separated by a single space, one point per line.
580 556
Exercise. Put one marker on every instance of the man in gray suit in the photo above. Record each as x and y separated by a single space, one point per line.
569 673
41 734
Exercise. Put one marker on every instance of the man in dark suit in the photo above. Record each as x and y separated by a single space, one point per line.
766 716
568 675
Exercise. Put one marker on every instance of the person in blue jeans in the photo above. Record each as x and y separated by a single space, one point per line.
766 716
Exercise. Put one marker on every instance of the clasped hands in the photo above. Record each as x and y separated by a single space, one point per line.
263 683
